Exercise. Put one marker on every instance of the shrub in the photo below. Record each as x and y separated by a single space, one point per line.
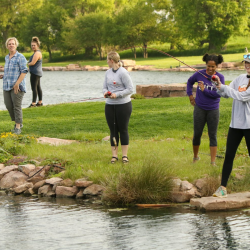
137 96
150 182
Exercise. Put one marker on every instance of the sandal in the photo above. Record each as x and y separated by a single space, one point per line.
195 159
213 163
114 160
32 105
125 159
39 104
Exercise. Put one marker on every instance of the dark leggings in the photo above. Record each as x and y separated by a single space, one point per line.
36 87
201 117
233 141
117 117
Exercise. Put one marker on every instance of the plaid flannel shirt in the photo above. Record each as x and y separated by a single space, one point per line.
12 70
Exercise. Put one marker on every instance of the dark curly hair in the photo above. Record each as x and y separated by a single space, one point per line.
217 59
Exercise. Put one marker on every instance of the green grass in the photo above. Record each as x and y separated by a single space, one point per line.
159 128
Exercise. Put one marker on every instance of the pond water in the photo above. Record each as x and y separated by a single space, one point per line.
51 224
69 86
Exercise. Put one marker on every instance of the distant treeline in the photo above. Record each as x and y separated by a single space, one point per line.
93 27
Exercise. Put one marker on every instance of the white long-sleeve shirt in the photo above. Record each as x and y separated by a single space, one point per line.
120 83
241 104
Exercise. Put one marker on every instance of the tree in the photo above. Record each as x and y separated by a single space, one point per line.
92 29
46 23
12 15
212 22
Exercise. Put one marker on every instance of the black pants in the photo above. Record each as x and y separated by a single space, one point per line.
117 117
201 117
36 87
233 141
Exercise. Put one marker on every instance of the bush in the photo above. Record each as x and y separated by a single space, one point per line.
150 182
137 96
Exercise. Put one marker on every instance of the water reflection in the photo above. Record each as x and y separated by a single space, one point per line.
68 86
32 223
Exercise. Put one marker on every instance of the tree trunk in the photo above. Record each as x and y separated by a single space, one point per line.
89 51
134 51
50 53
5 37
172 46
145 52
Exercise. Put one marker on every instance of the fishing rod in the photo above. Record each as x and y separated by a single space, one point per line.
212 79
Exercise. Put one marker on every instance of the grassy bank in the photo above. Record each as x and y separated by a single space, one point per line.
159 129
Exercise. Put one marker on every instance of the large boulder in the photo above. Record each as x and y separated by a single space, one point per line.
13 179
27 168
83 183
53 181
94 189
22 188
232 201
69 192
7 170
46 190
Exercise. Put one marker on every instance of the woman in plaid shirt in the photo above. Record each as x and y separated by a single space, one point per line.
15 71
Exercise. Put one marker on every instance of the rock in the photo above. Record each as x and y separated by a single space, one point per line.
26 169
80 194
71 66
20 189
35 172
35 179
66 183
46 191
107 138
94 189
54 141
83 183
163 90
200 183
2 167
232 201
127 62
53 180
227 65
38 185
13 179
185 185
180 197
177 184
62 191
7 170
29 192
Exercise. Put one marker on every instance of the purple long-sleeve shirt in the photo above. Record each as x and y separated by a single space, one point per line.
207 99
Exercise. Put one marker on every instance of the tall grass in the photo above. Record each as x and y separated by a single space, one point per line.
147 182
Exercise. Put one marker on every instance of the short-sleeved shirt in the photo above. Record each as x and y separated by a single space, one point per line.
12 70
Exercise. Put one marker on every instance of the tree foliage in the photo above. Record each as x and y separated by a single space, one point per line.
213 22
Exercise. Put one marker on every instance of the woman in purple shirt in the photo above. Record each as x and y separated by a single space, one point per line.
206 104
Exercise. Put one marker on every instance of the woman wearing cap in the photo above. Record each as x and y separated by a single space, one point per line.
118 86
206 104
14 84
239 127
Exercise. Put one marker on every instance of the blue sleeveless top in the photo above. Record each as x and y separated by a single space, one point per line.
36 69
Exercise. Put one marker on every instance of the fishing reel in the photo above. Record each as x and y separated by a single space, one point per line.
108 94
214 78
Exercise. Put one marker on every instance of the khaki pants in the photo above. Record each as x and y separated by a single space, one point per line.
13 103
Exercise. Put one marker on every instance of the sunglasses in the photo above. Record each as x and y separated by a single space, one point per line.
246 56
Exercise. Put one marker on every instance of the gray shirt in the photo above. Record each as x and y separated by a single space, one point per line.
241 103
120 83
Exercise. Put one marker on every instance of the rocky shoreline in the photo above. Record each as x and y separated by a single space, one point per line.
130 65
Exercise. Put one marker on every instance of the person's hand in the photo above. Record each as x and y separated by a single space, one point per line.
16 88
113 96
1 76
218 82
192 100
201 85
